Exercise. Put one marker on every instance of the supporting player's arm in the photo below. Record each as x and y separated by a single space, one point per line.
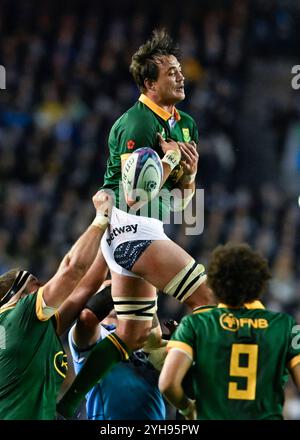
176 366
87 286
87 330
79 258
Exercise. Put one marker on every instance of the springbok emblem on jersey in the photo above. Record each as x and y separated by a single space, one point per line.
60 363
186 134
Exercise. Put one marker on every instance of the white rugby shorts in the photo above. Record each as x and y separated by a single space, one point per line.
124 228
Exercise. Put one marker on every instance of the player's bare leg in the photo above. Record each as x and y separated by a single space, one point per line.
133 330
161 262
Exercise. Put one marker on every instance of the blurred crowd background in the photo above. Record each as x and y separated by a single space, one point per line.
67 81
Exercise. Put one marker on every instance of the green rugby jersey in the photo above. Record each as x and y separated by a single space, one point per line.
32 362
240 360
138 128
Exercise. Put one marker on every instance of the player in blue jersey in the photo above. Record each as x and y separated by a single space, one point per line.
130 390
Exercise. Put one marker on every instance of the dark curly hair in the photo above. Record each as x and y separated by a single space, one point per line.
144 61
237 274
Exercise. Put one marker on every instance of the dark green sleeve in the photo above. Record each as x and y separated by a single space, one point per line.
133 133
294 340
185 332
195 133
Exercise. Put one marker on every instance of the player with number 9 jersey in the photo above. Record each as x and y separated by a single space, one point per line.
239 354
241 359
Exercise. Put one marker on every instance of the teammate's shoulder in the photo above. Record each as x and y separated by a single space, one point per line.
199 312
280 315
203 309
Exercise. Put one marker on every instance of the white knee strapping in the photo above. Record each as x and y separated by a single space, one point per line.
186 281
141 309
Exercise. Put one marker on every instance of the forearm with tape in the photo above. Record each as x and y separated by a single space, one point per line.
172 158
101 220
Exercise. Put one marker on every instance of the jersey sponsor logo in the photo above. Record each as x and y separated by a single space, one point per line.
186 135
121 230
60 363
229 322
130 144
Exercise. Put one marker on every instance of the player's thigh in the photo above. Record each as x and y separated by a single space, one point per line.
172 270
161 262
125 286
132 331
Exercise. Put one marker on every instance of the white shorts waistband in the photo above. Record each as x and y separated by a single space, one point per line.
126 227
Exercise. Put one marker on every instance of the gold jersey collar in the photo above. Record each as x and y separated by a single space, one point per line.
158 110
253 305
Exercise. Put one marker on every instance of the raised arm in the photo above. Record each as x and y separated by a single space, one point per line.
88 285
80 257
87 330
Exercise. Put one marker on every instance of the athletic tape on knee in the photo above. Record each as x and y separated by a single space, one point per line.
141 309
186 281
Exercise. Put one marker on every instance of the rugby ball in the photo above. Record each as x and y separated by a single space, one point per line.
142 174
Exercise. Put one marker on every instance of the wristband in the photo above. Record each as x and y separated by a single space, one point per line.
172 158
186 411
190 178
101 220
